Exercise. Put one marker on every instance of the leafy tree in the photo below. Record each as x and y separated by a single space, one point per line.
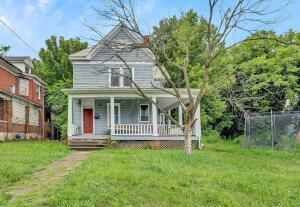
174 32
4 49
55 69
266 75
54 63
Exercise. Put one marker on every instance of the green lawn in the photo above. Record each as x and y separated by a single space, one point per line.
220 175
20 158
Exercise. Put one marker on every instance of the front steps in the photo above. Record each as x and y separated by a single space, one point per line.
87 144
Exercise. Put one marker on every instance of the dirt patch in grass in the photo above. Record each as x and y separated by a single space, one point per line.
52 174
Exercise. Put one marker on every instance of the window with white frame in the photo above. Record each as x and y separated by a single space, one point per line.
120 77
38 91
117 114
144 113
12 88
23 87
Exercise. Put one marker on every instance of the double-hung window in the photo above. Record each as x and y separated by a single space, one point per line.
23 87
120 77
144 113
38 91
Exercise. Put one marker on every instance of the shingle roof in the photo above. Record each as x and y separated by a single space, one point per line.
16 58
81 53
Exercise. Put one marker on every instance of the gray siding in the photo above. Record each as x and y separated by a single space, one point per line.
129 112
96 76
105 53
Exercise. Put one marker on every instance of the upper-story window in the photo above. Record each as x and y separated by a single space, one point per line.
27 70
38 91
120 77
23 87
12 88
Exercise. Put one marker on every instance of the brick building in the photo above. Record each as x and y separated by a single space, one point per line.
21 100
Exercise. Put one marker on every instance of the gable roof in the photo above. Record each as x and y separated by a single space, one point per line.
91 52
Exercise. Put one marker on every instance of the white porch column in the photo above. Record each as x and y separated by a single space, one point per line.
154 117
169 120
70 116
180 115
198 125
112 115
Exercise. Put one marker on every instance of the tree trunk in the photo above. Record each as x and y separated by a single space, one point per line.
187 140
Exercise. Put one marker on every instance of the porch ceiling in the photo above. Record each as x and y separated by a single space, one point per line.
124 92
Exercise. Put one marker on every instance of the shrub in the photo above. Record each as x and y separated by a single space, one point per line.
211 136
64 132
239 140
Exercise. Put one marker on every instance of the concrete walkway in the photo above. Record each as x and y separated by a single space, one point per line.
52 174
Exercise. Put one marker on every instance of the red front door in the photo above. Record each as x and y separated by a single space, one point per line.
88 121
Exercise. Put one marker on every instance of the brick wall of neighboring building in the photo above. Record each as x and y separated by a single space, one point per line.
7 78
20 122
9 130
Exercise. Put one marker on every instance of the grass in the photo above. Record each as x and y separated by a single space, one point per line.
18 159
220 175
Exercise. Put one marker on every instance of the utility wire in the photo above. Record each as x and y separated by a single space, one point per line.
18 36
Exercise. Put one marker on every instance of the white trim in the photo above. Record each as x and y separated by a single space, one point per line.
27 88
38 86
70 116
108 114
94 129
180 115
121 77
154 117
140 114
162 119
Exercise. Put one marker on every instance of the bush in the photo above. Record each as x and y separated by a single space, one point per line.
239 140
64 132
211 136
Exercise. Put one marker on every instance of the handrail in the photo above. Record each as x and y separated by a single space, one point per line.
147 129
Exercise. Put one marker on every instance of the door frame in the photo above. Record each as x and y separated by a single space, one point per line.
88 107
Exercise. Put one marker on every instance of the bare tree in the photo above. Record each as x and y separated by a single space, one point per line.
240 15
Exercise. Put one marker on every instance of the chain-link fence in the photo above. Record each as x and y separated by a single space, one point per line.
274 129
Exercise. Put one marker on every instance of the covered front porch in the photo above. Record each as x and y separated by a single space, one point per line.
134 118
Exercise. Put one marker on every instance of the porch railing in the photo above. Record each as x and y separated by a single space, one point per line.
147 129
133 129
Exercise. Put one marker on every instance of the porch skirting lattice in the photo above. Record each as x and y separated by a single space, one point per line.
155 144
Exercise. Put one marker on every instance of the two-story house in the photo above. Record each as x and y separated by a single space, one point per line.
21 99
104 103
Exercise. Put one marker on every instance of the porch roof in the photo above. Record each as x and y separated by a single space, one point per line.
124 92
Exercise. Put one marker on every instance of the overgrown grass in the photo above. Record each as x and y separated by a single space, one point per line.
220 175
20 158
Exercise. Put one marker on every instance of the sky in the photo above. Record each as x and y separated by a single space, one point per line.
36 20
